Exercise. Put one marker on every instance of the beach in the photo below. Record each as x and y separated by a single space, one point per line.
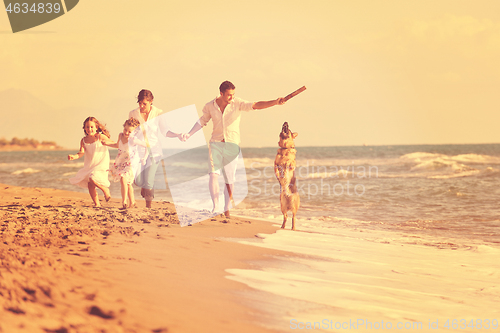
68 267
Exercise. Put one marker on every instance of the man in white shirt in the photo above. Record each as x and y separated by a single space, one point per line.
225 112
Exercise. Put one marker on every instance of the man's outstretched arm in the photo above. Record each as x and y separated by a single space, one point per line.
268 104
196 128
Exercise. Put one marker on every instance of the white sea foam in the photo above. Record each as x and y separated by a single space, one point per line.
419 157
371 274
477 159
25 171
440 164
74 165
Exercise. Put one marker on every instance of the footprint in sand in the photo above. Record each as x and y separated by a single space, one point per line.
96 311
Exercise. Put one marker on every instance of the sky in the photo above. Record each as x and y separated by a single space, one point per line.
377 72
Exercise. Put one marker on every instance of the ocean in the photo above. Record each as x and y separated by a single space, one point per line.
436 196
450 191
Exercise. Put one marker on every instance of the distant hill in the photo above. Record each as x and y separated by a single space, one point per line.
27 144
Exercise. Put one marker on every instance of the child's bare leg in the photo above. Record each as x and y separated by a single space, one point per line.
93 193
104 189
131 198
124 188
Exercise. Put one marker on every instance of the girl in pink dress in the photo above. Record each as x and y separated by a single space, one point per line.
96 162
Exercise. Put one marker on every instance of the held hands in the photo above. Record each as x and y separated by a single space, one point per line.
184 136
280 101
180 136
72 157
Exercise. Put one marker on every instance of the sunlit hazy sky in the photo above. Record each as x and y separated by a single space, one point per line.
377 72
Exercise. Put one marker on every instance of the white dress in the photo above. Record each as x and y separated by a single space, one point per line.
95 165
122 167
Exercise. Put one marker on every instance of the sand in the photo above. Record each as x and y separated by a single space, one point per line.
69 267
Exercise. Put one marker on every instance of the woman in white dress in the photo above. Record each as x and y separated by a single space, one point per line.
152 127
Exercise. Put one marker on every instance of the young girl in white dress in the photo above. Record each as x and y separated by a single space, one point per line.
96 162
123 168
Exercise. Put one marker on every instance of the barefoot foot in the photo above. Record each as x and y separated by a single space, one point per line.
107 195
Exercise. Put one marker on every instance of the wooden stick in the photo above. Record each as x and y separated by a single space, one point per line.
296 92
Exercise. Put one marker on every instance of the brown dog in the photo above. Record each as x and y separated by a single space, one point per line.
284 169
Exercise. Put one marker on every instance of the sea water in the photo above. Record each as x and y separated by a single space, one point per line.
436 196
441 190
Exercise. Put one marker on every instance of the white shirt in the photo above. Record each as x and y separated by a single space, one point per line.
155 112
227 124
153 128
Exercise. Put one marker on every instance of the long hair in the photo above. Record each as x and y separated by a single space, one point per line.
100 127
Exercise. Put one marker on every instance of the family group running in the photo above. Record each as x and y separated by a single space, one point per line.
139 152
